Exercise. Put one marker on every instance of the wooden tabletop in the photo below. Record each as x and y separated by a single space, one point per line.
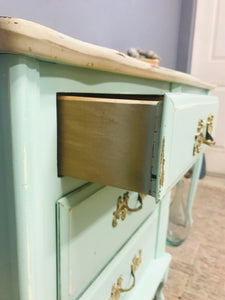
28 38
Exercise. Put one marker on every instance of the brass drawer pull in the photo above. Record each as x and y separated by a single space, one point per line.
200 138
209 142
209 139
117 289
123 208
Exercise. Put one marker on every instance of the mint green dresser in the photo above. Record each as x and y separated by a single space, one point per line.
92 142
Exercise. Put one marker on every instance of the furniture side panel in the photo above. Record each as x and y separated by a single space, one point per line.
9 277
162 225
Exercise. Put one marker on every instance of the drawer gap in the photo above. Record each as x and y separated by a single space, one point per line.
144 97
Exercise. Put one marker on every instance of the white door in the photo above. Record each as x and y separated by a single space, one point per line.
208 63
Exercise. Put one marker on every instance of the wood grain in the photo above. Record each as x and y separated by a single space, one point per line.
107 141
28 38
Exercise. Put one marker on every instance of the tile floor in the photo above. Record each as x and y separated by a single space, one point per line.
197 271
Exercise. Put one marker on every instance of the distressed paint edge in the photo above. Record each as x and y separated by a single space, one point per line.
25 37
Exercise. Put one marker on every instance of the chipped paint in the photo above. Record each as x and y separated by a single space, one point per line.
70 267
162 163
25 168
70 284
121 54
28 256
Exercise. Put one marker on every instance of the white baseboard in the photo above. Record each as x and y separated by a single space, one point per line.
215 161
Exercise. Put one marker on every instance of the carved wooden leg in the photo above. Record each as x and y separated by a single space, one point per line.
179 225
193 187
159 294
180 218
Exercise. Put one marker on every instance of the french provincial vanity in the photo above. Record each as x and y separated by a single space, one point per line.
92 142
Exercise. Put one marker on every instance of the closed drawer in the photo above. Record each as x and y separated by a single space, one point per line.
188 112
86 237
141 246
179 129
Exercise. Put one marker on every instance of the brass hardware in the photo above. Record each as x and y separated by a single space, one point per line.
117 289
200 138
209 139
209 124
123 208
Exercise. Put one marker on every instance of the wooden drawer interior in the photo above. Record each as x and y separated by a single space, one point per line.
112 141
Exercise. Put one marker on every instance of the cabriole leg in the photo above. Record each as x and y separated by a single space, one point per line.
159 294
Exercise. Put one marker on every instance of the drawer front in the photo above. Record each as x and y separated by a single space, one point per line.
87 236
144 240
188 113
109 141
181 116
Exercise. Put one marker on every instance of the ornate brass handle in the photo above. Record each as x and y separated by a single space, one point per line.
209 142
123 208
200 138
209 139
117 289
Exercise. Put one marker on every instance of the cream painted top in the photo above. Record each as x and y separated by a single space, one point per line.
28 38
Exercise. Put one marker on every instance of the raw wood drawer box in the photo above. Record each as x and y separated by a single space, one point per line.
109 141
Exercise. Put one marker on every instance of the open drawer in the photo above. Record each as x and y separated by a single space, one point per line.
140 143
109 141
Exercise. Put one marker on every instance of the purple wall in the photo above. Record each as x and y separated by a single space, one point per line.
117 24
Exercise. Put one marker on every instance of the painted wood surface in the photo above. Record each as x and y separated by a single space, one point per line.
21 78
30 186
144 240
181 115
188 111
147 288
193 187
162 225
9 273
87 239
28 38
